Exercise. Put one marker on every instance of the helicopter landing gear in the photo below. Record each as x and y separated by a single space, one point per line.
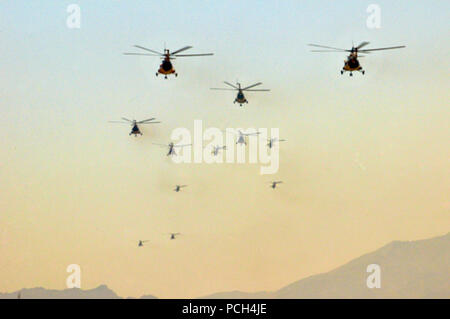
165 76
342 72
156 73
363 72
176 74
351 74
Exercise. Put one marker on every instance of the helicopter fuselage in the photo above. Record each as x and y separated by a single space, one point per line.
241 140
135 130
171 150
240 98
352 64
166 67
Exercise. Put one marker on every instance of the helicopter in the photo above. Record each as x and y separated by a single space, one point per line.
134 124
242 136
174 235
272 141
166 66
179 187
216 149
171 147
141 243
352 63
240 97
275 183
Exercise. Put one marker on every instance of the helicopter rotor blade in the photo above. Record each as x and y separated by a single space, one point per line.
232 85
326 47
379 49
362 44
257 90
151 119
149 50
250 86
148 122
181 50
182 145
120 122
125 119
223 89
328 51
197 54
147 54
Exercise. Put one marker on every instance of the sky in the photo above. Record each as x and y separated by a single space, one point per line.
366 159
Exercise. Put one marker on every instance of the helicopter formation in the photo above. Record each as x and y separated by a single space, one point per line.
166 68
173 236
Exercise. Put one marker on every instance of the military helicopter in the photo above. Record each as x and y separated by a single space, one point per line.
166 66
174 235
242 136
275 183
352 63
272 141
179 187
171 147
141 243
134 124
216 149
240 98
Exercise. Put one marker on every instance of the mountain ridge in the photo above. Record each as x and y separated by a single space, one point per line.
409 269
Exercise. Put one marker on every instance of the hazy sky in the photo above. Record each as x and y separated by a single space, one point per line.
366 161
